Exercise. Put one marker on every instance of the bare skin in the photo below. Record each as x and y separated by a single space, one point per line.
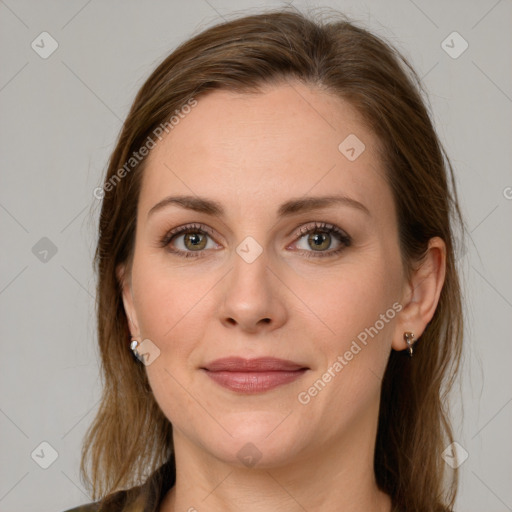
251 153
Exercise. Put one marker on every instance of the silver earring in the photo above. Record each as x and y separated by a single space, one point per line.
409 339
133 346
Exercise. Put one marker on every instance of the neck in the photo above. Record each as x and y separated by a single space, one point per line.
338 475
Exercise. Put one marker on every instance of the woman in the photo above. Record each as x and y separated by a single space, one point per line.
279 312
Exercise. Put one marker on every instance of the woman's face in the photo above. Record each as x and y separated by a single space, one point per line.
267 269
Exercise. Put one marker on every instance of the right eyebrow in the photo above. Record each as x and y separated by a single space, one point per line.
197 204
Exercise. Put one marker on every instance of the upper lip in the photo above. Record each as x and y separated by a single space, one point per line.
261 364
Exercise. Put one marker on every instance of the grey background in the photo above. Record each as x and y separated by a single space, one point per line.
59 120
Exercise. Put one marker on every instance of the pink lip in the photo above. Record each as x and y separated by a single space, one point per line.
253 375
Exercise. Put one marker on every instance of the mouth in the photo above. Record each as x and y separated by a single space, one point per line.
253 375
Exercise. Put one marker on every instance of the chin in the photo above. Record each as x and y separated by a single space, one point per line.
258 440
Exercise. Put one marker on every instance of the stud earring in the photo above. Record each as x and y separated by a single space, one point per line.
409 339
133 346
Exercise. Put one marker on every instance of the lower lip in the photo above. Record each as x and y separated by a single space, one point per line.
254 382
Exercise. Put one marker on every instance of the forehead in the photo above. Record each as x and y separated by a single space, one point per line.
283 141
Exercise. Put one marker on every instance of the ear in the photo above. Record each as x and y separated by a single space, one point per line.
421 294
124 278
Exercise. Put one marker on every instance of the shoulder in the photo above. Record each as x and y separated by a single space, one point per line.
146 497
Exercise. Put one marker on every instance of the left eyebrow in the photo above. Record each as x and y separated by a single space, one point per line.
316 203
210 207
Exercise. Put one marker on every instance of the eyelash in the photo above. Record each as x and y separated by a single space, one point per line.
321 227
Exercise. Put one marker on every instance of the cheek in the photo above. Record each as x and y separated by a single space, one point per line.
171 308
352 299
164 298
357 308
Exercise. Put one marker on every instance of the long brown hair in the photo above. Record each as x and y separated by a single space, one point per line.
130 436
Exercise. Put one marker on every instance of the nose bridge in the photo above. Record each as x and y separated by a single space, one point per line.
249 280
250 259
250 296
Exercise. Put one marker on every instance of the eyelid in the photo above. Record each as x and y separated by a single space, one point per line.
319 226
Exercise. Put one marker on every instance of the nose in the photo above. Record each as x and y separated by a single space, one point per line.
253 297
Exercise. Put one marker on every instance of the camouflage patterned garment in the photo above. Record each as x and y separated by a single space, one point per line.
143 498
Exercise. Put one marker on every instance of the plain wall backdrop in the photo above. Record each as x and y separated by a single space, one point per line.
61 110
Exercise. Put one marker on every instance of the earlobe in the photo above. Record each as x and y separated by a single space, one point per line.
421 294
127 296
